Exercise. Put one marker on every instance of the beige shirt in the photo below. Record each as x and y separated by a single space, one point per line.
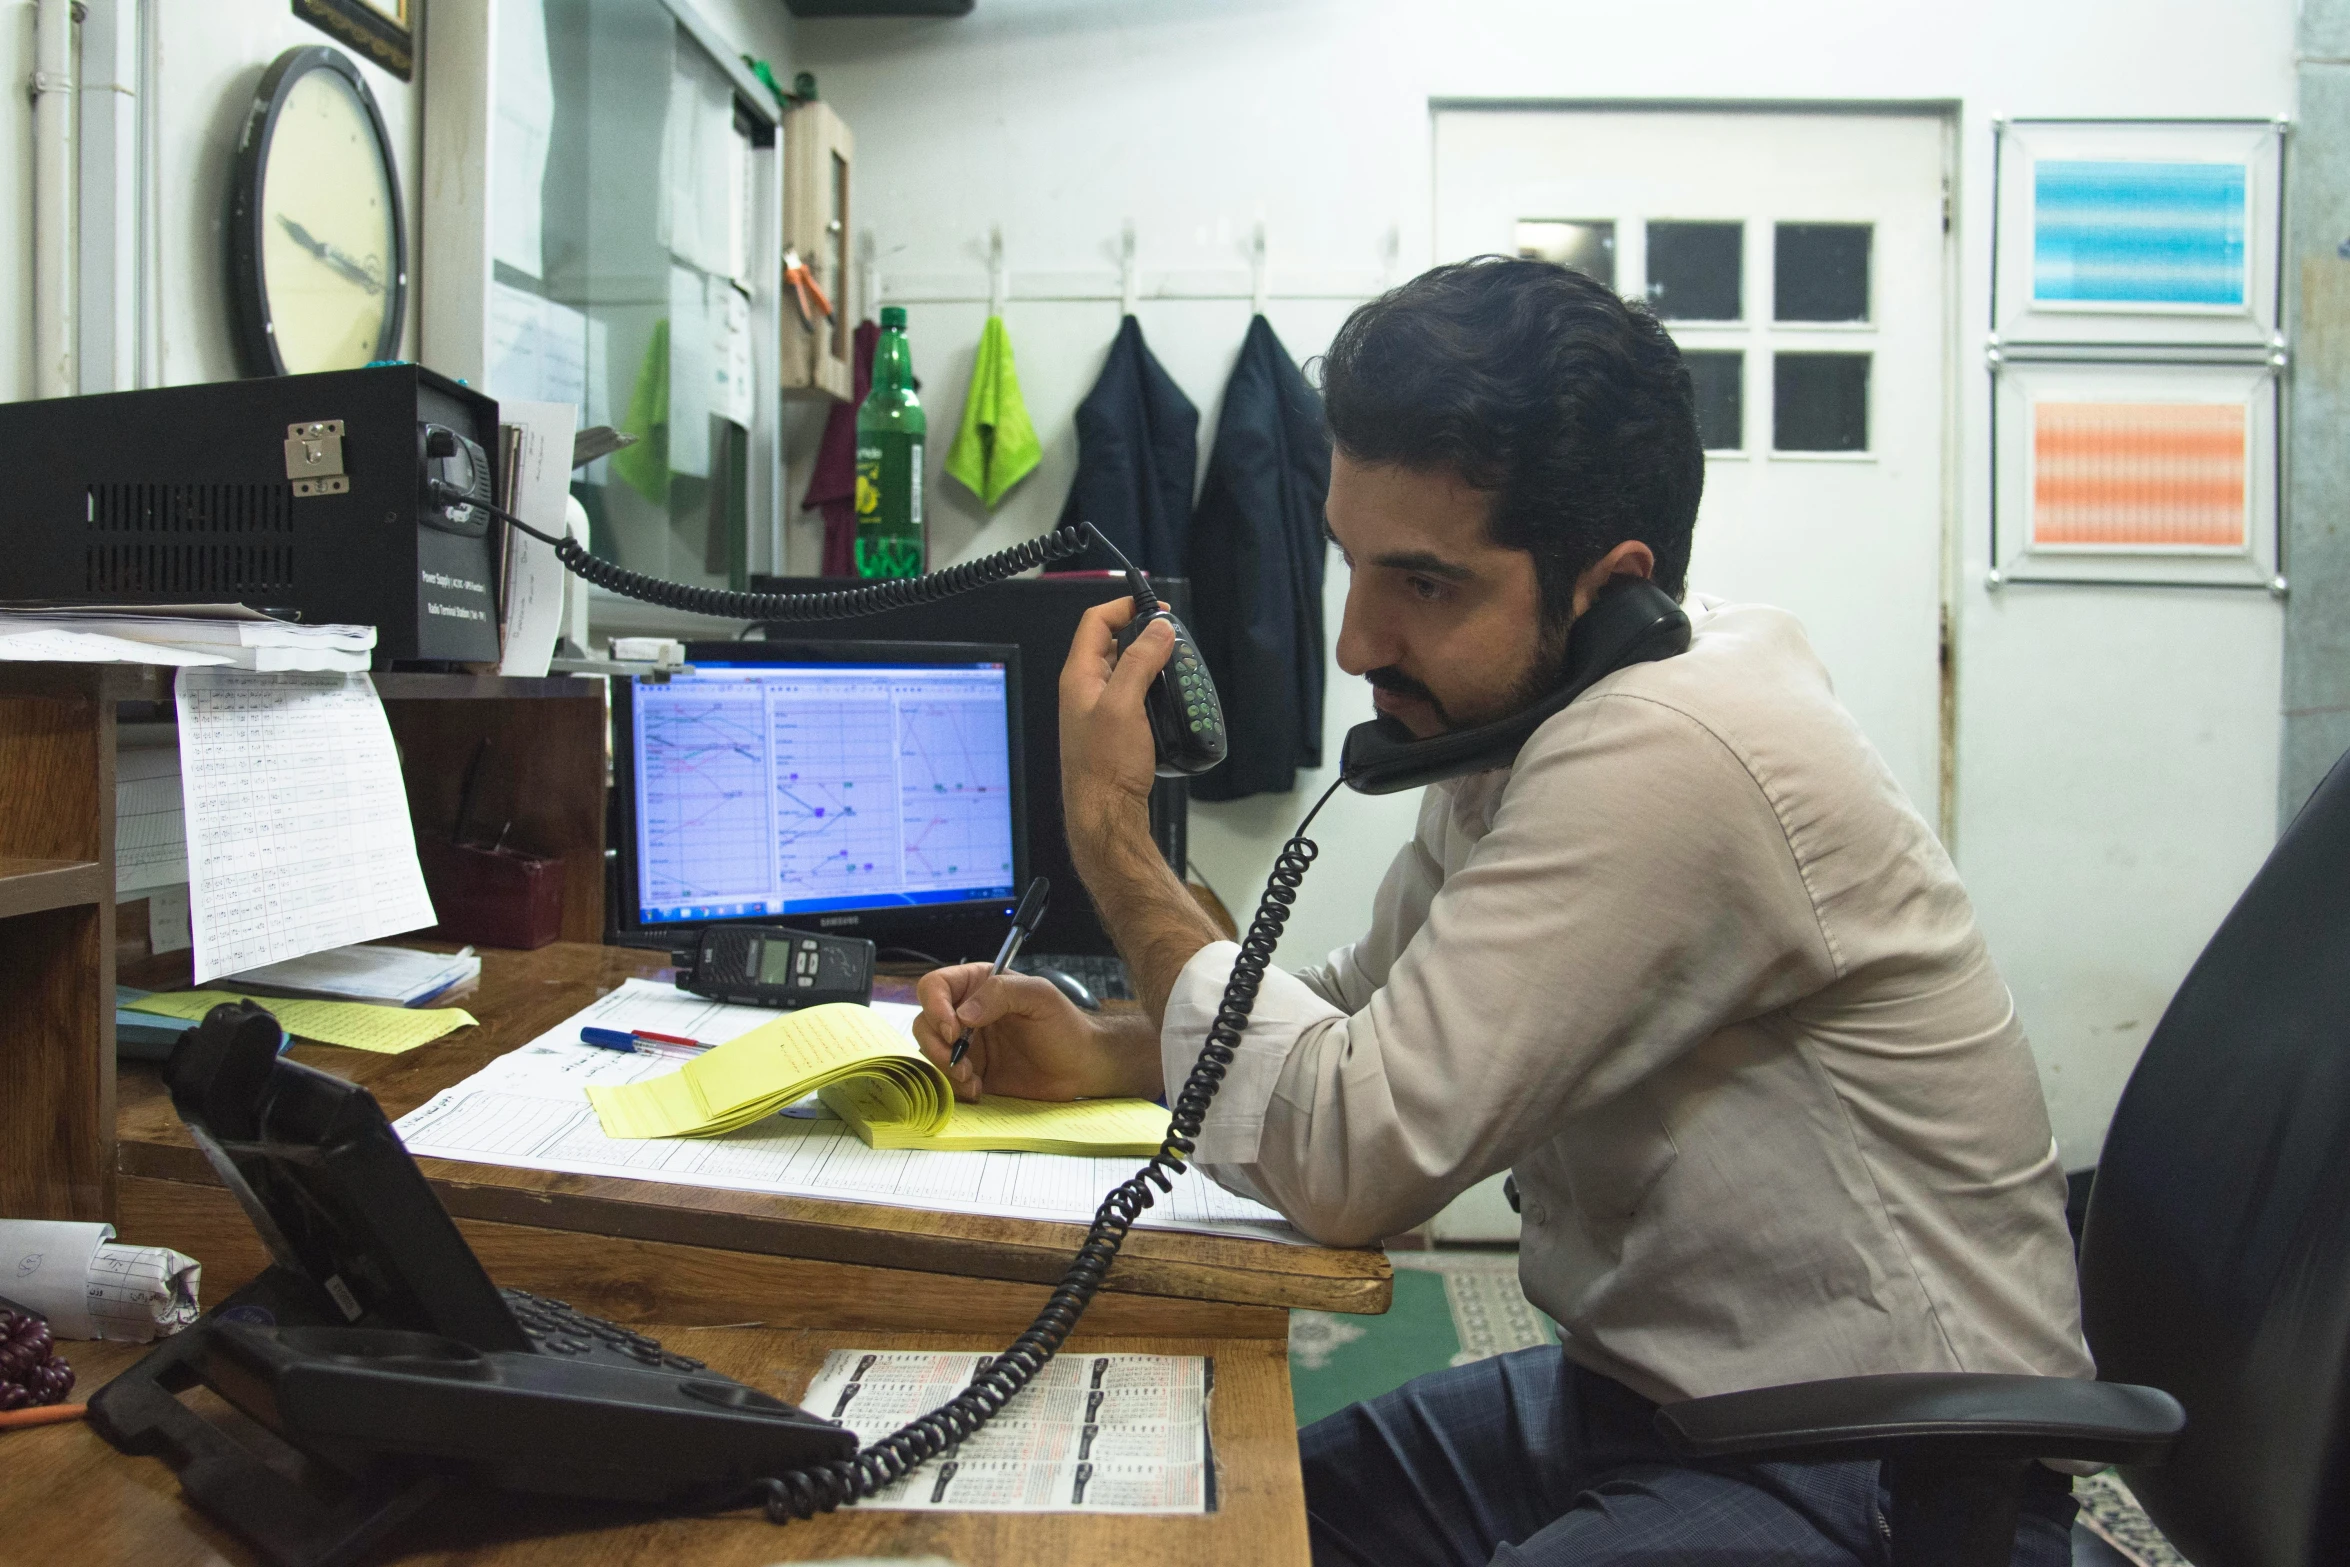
1696 971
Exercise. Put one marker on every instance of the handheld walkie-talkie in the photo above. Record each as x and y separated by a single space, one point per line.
1187 719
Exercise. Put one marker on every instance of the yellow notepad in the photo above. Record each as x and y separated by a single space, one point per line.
872 1077
356 1025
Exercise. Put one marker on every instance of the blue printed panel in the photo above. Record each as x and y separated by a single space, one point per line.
2138 233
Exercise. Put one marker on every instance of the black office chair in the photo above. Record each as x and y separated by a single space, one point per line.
2215 1265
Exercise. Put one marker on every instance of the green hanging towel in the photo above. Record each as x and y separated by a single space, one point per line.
646 464
996 447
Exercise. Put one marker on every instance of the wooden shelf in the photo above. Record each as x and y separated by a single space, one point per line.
403 685
30 886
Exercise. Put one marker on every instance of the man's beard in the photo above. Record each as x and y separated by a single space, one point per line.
1539 681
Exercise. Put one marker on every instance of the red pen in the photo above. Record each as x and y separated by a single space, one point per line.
667 1039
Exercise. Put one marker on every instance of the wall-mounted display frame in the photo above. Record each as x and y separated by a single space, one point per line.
2135 473
2137 233
382 30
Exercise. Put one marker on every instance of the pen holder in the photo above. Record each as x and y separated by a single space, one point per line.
497 897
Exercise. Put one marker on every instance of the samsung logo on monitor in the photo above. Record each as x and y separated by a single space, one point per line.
834 921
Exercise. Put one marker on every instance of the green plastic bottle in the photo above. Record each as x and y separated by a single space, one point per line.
890 428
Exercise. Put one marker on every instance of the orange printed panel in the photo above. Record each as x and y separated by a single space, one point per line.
2139 475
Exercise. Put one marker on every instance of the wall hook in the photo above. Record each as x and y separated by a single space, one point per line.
999 286
1127 282
1258 293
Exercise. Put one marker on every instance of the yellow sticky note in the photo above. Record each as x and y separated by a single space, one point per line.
356 1025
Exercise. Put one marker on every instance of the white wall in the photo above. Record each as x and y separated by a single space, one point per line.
2117 751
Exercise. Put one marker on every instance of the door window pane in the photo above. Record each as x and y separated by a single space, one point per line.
1718 378
1820 402
1588 245
1696 271
1821 272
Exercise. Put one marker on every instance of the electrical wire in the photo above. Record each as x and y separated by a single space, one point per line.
820 1488
839 604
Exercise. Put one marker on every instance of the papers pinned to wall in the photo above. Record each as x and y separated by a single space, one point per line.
540 349
524 130
705 167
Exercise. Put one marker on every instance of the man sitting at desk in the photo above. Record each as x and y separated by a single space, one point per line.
1692 968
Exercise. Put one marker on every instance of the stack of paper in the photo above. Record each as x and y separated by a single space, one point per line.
872 1077
179 634
397 976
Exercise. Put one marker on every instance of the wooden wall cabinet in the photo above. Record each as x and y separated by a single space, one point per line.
818 155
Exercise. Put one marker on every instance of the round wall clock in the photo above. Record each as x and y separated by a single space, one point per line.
318 259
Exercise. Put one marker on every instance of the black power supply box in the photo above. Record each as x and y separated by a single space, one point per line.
301 493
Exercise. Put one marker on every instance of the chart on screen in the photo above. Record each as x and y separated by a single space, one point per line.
773 789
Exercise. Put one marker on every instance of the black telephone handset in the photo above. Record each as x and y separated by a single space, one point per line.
1632 621
1187 717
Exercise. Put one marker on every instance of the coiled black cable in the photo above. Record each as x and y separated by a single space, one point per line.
839 604
803 1493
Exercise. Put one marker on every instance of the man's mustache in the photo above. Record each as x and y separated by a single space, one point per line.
1390 679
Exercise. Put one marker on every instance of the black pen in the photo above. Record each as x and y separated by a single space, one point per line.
1025 919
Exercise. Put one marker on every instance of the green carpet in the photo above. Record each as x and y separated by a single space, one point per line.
1450 1308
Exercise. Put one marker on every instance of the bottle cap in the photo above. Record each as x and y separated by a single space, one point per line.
893 317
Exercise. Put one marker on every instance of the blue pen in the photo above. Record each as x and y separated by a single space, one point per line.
609 1039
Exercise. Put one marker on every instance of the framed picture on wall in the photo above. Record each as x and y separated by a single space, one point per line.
382 30
2135 473
2144 233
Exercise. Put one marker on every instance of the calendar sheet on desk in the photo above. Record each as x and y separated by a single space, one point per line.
1092 1433
528 1109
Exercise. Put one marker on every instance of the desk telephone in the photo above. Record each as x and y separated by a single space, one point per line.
430 1319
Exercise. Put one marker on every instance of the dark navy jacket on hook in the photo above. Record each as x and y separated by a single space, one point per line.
1256 571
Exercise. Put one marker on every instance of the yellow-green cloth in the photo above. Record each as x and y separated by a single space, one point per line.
645 466
996 447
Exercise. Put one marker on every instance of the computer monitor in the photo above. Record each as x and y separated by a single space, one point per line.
866 789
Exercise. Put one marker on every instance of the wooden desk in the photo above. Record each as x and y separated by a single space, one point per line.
646 1251
65 1496
759 1286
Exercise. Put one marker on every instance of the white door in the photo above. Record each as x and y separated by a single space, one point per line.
1799 261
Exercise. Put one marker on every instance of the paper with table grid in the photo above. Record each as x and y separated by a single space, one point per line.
1092 1433
297 821
529 1109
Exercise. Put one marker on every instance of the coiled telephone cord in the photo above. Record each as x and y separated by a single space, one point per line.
803 1493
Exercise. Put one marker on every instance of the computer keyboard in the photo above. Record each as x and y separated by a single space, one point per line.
1105 977
555 1327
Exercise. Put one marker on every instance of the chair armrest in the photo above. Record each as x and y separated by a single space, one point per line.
1931 1416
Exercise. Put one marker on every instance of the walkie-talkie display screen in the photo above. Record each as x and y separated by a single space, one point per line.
796 788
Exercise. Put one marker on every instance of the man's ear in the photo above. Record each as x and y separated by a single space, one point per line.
1628 559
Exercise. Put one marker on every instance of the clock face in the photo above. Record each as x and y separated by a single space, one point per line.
330 250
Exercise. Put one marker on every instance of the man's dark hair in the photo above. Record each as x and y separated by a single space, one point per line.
1539 385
